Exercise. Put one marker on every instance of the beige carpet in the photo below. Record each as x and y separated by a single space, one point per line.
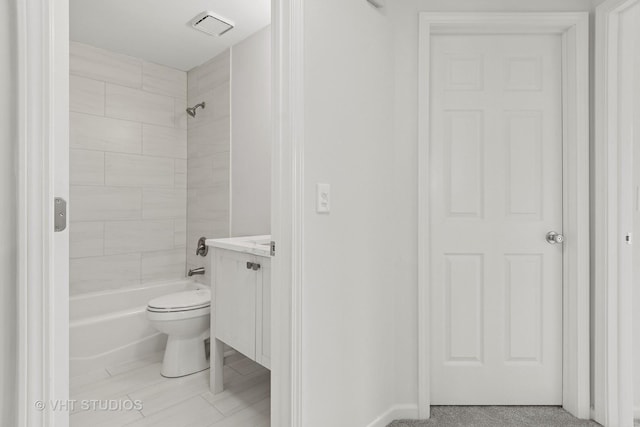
497 416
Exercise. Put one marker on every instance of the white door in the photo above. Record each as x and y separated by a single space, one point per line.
496 171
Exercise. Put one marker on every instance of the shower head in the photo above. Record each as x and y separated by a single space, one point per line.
192 110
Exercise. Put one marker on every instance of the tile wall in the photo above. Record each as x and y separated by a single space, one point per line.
209 155
128 170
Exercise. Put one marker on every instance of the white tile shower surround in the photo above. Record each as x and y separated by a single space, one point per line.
128 171
176 402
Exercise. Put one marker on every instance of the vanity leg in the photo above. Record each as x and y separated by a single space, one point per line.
217 365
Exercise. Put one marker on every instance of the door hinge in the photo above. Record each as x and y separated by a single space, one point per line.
628 238
273 248
60 214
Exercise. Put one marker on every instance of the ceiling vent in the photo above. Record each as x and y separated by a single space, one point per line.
213 25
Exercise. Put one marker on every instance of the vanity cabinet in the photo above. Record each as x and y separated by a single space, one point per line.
241 308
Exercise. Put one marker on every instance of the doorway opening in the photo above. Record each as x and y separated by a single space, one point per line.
443 263
170 142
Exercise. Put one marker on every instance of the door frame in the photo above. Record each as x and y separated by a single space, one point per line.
43 285
613 339
287 209
574 29
43 170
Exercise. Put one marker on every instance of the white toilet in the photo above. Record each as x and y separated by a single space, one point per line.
184 316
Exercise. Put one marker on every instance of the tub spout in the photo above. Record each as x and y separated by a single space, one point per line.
195 271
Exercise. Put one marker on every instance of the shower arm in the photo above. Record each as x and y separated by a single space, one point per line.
192 110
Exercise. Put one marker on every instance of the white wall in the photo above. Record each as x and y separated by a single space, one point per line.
251 135
404 18
8 193
348 279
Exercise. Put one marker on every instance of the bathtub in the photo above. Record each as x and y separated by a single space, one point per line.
110 328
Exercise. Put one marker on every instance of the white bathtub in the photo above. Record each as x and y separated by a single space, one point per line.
110 328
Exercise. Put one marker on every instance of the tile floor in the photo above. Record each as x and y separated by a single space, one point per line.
177 402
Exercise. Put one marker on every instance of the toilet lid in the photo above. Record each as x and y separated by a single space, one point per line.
182 301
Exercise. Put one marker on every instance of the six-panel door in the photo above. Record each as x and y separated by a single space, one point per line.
496 171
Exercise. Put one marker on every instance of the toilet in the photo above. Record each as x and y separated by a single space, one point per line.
184 317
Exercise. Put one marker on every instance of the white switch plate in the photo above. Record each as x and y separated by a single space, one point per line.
323 198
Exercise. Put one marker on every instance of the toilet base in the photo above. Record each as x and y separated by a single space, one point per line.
184 356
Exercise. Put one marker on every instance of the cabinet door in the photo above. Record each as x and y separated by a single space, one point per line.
235 301
263 333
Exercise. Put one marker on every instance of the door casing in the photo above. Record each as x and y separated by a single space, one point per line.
612 284
43 327
574 30
43 171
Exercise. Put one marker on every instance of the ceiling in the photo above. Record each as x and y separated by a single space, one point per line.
160 31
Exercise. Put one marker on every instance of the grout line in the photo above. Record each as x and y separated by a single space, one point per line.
104 168
212 405
141 154
104 237
142 145
141 191
125 120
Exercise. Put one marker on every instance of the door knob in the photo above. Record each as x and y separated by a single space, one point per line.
253 266
554 238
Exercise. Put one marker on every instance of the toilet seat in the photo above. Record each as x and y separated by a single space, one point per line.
169 316
181 302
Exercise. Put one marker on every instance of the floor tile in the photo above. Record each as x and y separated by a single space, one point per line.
174 402
253 416
136 364
171 391
241 400
121 384
245 366
194 412
77 383
106 418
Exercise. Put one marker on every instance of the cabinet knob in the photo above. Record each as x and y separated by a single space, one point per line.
256 266
249 265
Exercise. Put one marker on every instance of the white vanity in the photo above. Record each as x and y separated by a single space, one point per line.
241 301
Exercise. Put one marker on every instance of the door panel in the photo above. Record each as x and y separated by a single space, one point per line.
496 173
235 301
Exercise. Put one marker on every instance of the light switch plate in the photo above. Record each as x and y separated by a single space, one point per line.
323 198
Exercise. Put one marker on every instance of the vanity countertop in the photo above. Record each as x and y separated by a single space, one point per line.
256 245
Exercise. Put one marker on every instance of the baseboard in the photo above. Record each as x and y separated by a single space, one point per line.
396 412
